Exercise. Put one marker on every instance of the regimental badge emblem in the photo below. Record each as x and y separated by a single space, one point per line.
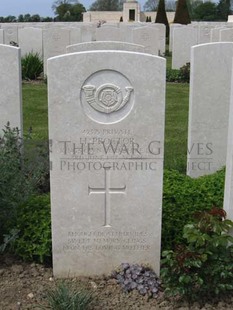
107 98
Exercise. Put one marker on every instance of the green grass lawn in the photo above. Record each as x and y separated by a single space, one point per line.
35 114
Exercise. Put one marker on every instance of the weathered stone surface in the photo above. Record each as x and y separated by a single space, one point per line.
30 40
10 90
105 45
183 39
148 37
109 34
209 107
55 41
106 125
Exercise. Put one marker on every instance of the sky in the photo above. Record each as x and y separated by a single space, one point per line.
41 7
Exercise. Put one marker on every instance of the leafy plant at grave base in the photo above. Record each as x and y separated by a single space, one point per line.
173 75
24 172
182 197
136 277
34 226
185 73
179 76
66 297
32 66
201 267
15 188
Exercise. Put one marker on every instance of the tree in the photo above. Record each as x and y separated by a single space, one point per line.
150 5
182 13
106 5
161 16
68 10
35 18
223 9
206 11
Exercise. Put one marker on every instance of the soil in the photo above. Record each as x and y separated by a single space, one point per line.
23 286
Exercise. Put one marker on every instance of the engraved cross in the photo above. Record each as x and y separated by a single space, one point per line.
107 191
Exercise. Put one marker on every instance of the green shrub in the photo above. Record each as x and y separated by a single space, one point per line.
173 75
24 172
66 297
32 66
179 76
15 187
34 226
185 73
201 267
182 197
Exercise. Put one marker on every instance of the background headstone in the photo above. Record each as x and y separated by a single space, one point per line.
105 45
183 39
210 83
10 90
55 41
30 40
148 37
109 34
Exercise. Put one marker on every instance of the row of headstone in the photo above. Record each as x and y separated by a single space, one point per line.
10 90
182 38
106 123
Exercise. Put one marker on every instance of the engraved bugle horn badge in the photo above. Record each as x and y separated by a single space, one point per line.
107 98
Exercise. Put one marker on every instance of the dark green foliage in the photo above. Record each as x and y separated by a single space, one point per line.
66 297
147 19
23 173
209 11
106 5
161 16
182 13
182 197
33 223
206 11
201 267
179 76
223 9
15 187
68 10
32 66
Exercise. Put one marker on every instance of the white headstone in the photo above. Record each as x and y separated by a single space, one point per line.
228 193
1 36
172 27
148 37
183 39
105 45
10 90
30 40
109 34
210 83
215 34
10 33
226 35
55 41
162 36
204 33
106 124
75 35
